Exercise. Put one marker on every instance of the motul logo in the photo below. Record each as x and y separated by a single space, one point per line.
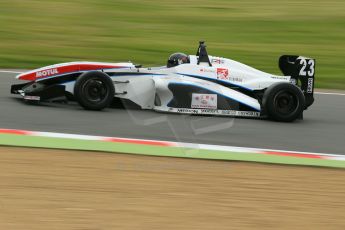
47 72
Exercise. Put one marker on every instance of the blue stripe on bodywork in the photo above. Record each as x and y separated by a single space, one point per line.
214 80
212 91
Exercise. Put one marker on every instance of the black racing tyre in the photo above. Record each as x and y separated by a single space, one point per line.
94 90
283 102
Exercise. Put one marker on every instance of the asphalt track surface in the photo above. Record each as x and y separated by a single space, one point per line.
322 130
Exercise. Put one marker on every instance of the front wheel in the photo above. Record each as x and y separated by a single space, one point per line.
283 102
94 90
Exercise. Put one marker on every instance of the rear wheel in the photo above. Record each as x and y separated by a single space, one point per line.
94 90
283 102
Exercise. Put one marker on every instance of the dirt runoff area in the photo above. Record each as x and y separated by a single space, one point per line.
55 189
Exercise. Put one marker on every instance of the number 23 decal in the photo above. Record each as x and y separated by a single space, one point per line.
305 63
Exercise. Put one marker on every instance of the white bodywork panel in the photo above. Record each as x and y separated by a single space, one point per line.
140 90
165 94
238 73
143 85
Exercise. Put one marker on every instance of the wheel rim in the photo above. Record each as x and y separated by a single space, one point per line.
285 102
95 90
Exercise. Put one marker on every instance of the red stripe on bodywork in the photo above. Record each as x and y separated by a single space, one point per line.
303 155
41 74
28 77
83 67
13 131
139 142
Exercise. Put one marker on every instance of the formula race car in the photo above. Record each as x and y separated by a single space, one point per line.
188 84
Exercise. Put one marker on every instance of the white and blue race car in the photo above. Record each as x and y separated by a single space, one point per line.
188 84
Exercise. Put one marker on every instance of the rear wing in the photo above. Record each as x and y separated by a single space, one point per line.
302 72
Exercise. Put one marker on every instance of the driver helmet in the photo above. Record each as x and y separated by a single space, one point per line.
177 59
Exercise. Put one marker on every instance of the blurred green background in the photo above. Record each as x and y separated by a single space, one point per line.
34 33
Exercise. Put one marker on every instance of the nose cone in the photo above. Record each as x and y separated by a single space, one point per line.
27 76
68 68
41 73
48 71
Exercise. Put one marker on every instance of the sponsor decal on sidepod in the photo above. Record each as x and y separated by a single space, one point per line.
222 74
204 101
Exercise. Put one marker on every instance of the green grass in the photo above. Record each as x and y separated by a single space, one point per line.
63 143
41 32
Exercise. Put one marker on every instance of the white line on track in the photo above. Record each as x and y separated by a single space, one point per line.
320 93
324 93
10 71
